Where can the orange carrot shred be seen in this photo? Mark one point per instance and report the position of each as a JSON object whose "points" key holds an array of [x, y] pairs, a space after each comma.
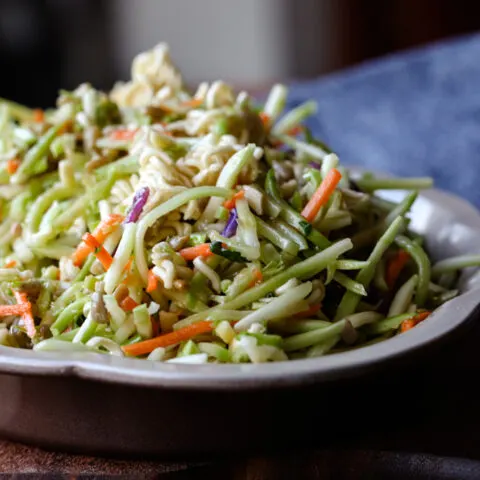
{"points": [[172, 338], [10, 264], [311, 310], [38, 115], [415, 320], [321, 195], [12, 165], [128, 304], [91, 242], [265, 118], [130, 275], [395, 267], [27, 316], [126, 134], [193, 103], [294, 131], [7, 310], [98, 250], [191, 253], [257, 277], [407, 325], [230, 203], [128, 265], [103, 230], [152, 281], [422, 316]]}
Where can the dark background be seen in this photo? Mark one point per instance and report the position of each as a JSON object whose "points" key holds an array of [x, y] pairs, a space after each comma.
{"points": [[48, 44]]}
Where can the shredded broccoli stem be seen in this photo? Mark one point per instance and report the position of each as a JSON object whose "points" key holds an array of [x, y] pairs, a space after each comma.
{"points": [[291, 216], [423, 264], [36, 153], [350, 300], [371, 184], [68, 316], [455, 263], [17, 111], [294, 117]]}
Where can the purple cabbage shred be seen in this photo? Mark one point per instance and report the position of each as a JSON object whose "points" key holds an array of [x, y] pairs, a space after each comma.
{"points": [[232, 223], [139, 200]]}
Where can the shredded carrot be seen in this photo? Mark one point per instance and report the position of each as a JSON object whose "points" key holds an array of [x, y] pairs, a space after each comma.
{"points": [[128, 266], [191, 253], [294, 131], [7, 310], [193, 103], [415, 320], [128, 304], [126, 134], [310, 311], [172, 338], [127, 269], [106, 226], [12, 165], [257, 277], [422, 316], [407, 325], [98, 250], [395, 266], [102, 231], [27, 316], [265, 118], [38, 115], [10, 264], [152, 281], [230, 203], [321, 195]]}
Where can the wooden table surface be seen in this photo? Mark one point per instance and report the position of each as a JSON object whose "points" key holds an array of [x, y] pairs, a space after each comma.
{"points": [[324, 464]]}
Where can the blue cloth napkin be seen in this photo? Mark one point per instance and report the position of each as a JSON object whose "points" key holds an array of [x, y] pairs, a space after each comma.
{"points": [[413, 114]]}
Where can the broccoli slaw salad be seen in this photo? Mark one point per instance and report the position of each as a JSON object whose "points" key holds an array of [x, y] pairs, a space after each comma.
{"points": [[157, 223]]}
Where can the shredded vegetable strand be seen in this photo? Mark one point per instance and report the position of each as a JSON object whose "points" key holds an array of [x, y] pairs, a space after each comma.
{"points": [[350, 299], [147, 346], [423, 264]]}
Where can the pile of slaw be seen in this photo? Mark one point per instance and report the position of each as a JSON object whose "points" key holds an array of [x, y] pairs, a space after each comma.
{"points": [[157, 223]]}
